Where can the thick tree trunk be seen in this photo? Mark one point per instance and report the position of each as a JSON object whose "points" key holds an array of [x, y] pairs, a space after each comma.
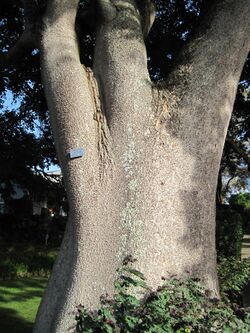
{"points": [[146, 184]]}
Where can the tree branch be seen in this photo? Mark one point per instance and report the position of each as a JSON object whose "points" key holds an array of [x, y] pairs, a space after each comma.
{"points": [[219, 48], [147, 11], [75, 107], [28, 39], [120, 54], [240, 173], [225, 190], [202, 86], [25, 44], [146, 8], [238, 150], [106, 9]]}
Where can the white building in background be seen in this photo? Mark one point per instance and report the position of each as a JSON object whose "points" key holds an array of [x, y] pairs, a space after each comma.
{"points": [[18, 193], [38, 205]]}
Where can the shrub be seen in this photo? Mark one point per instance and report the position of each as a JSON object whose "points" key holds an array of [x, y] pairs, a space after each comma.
{"points": [[241, 203], [9, 269], [233, 276], [229, 233], [24, 260], [242, 199], [12, 269], [180, 306]]}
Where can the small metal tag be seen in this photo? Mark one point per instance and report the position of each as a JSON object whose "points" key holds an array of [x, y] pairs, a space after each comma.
{"points": [[75, 153]]}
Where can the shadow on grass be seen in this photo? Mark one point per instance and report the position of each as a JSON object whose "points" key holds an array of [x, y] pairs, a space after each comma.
{"points": [[19, 301], [10, 321], [24, 284], [20, 297]]}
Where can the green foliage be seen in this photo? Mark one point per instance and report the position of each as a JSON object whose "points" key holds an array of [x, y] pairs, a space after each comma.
{"points": [[180, 306], [37, 267], [10, 269], [233, 276], [242, 199], [229, 233], [26, 261]]}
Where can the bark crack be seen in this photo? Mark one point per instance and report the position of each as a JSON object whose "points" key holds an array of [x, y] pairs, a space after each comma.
{"points": [[166, 121], [162, 113], [104, 141]]}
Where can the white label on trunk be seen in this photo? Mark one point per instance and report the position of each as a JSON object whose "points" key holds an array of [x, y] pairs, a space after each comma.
{"points": [[75, 153]]}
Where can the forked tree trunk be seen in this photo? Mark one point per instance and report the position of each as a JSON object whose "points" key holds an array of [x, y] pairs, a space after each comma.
{"points": [[146, 184]]}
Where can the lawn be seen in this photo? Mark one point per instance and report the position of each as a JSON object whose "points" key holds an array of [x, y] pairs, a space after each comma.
{"points": [[24, 271], [19, 301]]}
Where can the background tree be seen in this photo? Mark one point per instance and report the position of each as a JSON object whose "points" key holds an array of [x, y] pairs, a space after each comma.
{"points": [[235, 160], [23, 158], [241, 200], [146, 184]]}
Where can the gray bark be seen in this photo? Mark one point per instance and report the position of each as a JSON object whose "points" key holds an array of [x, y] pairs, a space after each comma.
{"points": [[146, 184]]}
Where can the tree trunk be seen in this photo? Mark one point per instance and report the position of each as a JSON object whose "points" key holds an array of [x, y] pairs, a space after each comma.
{"points": [[146, 183]]}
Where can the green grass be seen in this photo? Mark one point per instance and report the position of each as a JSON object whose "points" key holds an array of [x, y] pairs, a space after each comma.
{"points": [[19, 301], [24, 269]]}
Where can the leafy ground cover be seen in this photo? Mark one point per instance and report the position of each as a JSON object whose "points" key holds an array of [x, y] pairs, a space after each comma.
{"points": [[19, 301], [24, 270], [178, 306]]}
